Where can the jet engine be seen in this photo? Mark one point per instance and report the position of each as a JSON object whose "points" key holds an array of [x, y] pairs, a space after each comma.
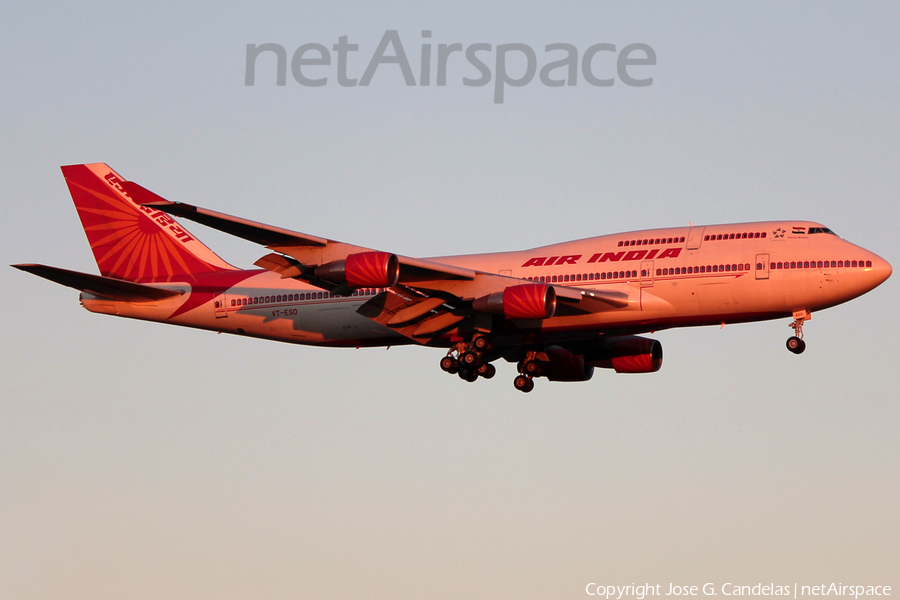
{"points": [[566, 366], [526, 301], [630, 354], [364, 269]]}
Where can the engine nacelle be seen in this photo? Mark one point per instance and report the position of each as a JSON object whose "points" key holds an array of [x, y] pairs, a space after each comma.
{"points": [[526, 301], [630, 354], [566, 366], [364, 269]]}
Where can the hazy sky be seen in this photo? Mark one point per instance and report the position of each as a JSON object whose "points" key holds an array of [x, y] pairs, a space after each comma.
{"points": [[144, 461]]}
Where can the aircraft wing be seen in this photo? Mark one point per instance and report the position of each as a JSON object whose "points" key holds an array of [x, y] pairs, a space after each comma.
{"points": [[424, 301], [304, 248]]}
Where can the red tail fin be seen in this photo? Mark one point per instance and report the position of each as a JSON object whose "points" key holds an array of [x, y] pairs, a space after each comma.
{"points": [[133, 242]]}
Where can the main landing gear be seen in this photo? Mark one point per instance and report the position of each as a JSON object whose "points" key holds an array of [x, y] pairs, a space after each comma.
{"points": [[469, 362], [795, 343], [523, 383], [532, 366]]}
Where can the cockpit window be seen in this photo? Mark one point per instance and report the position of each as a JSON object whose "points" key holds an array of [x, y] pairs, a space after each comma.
{"points": [[813, 230]]}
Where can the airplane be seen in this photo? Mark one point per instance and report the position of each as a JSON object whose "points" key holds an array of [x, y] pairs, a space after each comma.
{"points": [[556, 311]]}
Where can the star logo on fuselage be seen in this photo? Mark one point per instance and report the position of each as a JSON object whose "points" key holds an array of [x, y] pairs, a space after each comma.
{"points": [[778, 233]]}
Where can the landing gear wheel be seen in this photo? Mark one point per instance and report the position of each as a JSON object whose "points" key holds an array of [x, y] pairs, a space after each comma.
{"points": [[796, 345], [467, 374], [481, 343], [449, 364], [523, 384], [468, 358], [487, 370], [532, 367]]}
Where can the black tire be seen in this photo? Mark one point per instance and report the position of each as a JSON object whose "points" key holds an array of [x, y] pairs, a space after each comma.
{"points": [[487, 370], [467, 374], [449, 364], [481, 343], [468, 358], [795, 344], [532, 367], [523, 384]]}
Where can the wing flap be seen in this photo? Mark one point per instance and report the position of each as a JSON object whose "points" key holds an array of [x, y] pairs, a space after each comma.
{"points": [[415, 311]]}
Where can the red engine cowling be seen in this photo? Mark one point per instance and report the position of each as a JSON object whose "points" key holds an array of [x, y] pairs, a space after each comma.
{"points": [[630, 354], [565, 366], [526, 301], [364, 269]]}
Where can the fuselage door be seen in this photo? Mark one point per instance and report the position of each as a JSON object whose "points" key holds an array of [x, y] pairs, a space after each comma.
{"points": [[646, 273], [695, 238], [762, 266], [219, 304]]}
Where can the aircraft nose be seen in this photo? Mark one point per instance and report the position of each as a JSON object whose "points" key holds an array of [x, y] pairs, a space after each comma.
{"points": [[881, 270]]}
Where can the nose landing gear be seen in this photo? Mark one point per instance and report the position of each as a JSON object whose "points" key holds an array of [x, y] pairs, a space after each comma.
{"points": [[795, 343]]}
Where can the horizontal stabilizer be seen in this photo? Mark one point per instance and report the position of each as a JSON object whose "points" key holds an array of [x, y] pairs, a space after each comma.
{"points": [[114, 289]]}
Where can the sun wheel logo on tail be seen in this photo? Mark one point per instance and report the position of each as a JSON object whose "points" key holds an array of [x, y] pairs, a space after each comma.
{"points": [[528, 301]]}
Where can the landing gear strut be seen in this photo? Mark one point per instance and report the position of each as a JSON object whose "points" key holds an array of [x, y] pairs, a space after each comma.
{"points": [[795, 343]]}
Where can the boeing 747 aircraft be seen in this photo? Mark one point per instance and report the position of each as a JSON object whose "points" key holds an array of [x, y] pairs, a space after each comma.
{"points": [[556, 311]]}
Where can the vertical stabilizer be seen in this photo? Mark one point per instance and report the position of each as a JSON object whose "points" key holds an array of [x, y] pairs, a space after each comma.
{"points": [[132, 242]]}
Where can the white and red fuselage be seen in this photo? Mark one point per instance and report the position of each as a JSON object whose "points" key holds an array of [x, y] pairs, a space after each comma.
{"points": [[558, 310], [710, 275]]}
